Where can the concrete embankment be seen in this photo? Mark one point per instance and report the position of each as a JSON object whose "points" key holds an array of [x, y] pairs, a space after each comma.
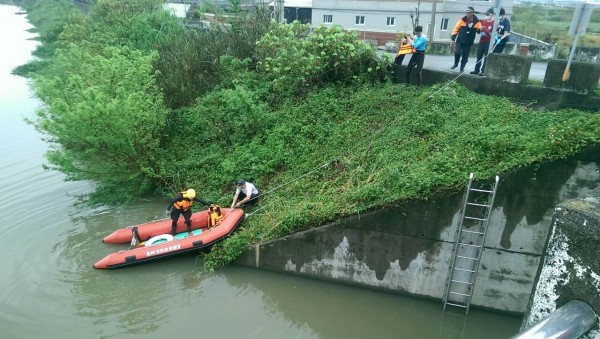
{"points": [[571, 269], [408, 249]]}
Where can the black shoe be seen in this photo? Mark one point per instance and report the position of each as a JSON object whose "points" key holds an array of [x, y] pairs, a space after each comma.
{"points": [[480, 74], [462, 69], [474, 72], [453, 66]]}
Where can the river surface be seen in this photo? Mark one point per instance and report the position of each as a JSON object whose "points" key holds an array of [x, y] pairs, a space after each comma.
{"points": [[48, 288]]}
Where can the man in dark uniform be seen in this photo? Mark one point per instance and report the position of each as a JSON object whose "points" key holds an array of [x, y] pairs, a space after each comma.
{"points": [[502, 32], [463, 36]]}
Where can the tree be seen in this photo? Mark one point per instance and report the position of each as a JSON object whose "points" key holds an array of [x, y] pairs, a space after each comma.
{"points": [[103, 117]]}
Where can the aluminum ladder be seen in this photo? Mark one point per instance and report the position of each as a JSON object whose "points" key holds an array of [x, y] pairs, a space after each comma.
{"points": [[468, 243]]}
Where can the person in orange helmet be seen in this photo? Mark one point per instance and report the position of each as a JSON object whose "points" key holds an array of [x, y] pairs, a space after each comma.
{"points": [[182, 205]]}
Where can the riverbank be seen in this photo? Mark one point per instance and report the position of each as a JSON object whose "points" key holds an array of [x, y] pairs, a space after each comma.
{"points": [[408, 249]]}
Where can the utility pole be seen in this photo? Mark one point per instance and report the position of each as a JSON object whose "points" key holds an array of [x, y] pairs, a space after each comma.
{"points": [[432, 27], [279, 8], [495, 28], [579, 23]]}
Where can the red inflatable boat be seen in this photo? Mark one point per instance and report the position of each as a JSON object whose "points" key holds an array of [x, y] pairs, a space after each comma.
{"points": [[158, 243]]}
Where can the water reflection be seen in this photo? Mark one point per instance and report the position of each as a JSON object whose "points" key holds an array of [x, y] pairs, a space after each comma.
{"points": [[129, 300], [334, 311]]}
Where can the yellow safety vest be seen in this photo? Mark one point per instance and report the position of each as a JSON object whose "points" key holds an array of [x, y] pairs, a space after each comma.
{"points": [[405, 48]]}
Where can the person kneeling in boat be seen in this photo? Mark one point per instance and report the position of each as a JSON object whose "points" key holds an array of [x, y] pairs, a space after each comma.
{"points": [[246, 193], [182, 204], [214, 216]]}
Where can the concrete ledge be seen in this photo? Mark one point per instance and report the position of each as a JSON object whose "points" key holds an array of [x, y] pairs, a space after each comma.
{"points": [[584, 76], [511, 68], [547, 97]]}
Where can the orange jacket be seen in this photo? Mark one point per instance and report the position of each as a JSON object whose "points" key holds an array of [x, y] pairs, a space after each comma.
{"points": [[404, 48], [465, 30]]}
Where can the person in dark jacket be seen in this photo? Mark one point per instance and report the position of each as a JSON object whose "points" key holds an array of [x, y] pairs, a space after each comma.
{"points": [[182, 204], [463, 36], [502, 32]]}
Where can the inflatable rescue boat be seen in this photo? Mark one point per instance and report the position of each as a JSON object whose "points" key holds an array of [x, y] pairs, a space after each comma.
{"points": [[158, 243]]}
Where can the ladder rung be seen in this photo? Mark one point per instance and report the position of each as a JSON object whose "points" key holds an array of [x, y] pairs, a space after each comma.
{"points": [[472, 218], [460, 243], [462, 282], [474, 204], [457, 305], [478, 190], [462, 269], [460, 256], [466, 295], [473, 232]]}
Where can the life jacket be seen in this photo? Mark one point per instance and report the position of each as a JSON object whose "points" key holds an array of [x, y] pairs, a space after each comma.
{"points": [[183, 204], [214, 216], [405, 48]]}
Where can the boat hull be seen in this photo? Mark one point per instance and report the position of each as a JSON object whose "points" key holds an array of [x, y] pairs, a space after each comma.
{"points": [[201, 239]]}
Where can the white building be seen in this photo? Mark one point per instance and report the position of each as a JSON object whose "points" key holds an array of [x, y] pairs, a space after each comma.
{"points": [[383, 20]]}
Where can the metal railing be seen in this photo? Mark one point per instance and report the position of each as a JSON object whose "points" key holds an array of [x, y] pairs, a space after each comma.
{"points": [[569, 321]]}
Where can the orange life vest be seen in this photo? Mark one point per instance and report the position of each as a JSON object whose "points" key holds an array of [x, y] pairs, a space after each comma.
{"points": [[214, 218], [183, 204], [405, 48]]}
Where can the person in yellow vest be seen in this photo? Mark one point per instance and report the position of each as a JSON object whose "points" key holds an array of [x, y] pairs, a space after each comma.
{"points": [[214, 216], [404, 49], [182, 204]]}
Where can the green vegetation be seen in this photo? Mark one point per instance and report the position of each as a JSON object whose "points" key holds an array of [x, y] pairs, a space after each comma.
{"points": [[551, 24], [141, 104]]}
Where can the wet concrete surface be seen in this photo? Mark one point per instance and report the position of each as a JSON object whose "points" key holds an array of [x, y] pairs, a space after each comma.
{"points": [[408, 249]]}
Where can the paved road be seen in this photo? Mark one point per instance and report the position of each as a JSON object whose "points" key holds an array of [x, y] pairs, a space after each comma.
{"points": [[444, 62]]}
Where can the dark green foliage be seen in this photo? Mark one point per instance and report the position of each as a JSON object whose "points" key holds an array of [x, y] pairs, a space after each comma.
{"points": [[296, 61], [104, 122], [190, 63], [35, 66]]}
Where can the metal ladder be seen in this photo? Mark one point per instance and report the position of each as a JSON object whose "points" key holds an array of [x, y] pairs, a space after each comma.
{"points": [[468, 243]]}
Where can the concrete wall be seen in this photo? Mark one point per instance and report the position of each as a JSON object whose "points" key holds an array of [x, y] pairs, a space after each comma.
{"points": [[407, 249], [511, 68], [531, 94], [571, 269], [584, 76]]}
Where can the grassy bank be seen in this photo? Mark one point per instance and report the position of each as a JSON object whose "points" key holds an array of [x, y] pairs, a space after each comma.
{"points": [[374, 146]]}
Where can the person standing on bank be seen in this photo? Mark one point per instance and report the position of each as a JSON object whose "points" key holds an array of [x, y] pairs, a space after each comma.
{"points": [[487, 26], [418, 44], [245, 193], [463, 36], [182, 204], [502, 32]]}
